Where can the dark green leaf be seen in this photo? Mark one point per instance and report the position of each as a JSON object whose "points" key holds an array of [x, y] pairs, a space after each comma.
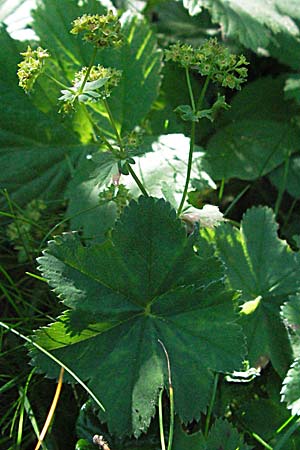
{"points": [[145, 284], [222, 436], [266, 271], [248, 149], [175, 23], [186, 113]]}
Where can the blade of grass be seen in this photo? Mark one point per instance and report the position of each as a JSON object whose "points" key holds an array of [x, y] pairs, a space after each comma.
{"points": [[51, 410], [56, 360], [23, 394]]}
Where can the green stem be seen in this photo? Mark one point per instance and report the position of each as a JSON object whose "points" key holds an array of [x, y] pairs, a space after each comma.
{"points": [[281, 443], [96, 127], [113, 124], [283, 184], [236, 199], [203, 92], [285, 424], [161, 421], [89, 70], [122, 151], [172, 416], [210, 408], [189, 169], [56, 81], [221, 191], [261, 441], [137, 180], [192, 140], [188, 82]]}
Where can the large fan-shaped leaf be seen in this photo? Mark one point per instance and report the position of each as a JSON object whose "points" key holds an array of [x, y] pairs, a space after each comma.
{"points": [[266, 271], [138, 59], [143, 285]]}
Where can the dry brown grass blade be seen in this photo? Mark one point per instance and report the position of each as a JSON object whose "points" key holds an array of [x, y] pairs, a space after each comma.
{"points": [[51, 410]]}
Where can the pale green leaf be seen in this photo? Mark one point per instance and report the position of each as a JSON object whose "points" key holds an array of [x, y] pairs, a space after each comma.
{"points": [[145, 284], [266, 272]]}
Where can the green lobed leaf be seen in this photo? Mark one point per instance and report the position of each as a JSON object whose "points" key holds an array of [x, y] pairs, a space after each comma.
{"points": [[264, 27], [138, 59], [291, 388], [37, 151], [266, 272], [222, 436], [291, 384], [146, 283]]}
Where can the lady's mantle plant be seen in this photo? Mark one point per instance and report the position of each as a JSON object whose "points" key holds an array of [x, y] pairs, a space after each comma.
{"points": [[146, 283], [151, 281]]}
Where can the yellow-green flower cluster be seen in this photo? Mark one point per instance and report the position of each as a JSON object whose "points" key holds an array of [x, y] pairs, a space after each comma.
{"points": [[111, 75], [101, 30], [31, 67], [212, 59]]}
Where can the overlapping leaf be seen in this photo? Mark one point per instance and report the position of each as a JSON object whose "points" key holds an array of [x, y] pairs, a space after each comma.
{"points": [[267, 272], [261, 26], [222, 436], [256, 134], [291, 384], [162, 169], [288, 177], [145, 284]]}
